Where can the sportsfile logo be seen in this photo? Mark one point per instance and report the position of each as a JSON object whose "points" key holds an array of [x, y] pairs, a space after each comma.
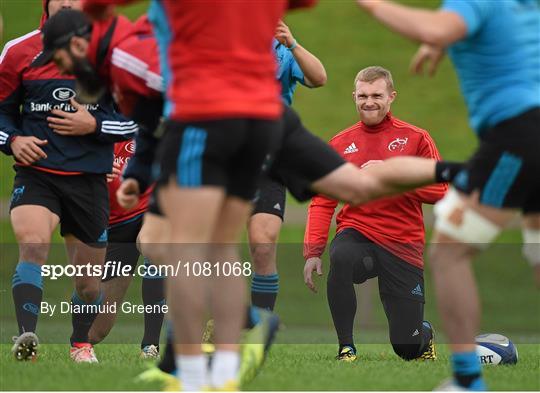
{"points": [[120, 269]]}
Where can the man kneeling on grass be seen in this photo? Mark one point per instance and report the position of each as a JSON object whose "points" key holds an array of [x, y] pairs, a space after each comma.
{"points": [[383, 239]]}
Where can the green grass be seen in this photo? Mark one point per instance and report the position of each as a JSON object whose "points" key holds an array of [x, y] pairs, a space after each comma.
{"points": [[379, 369], [288, 367]]}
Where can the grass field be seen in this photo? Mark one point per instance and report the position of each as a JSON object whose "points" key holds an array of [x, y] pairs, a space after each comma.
{"points": [[288, 367], [345, 40]]}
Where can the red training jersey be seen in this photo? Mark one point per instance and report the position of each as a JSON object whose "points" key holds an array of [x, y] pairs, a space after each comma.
{"points": [[131, 71], [122, 153], [220, 58], [218, 55], [395, 223]]}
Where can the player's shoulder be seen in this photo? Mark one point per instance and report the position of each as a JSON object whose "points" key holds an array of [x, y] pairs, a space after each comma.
{"points": [[410, 128], [345, 134], [139, 59], [141, 48], [138, 47], [24, 47]]}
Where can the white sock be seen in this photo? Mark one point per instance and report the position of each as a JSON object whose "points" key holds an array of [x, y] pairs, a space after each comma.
{"points": [[193, 371], [225, 368]]}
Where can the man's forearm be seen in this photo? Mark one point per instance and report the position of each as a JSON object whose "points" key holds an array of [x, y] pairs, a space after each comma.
{"points": [[428, 26], [311, 66]]}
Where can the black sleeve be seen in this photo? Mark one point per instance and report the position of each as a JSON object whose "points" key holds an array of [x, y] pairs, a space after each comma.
{"points": [[147, 114]]}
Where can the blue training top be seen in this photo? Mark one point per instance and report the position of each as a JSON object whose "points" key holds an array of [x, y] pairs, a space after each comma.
{"points": [[288, 73], [498, 63]]}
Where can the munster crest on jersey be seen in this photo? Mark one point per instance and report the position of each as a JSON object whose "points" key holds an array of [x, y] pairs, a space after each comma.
{"points": [[397, 144]]}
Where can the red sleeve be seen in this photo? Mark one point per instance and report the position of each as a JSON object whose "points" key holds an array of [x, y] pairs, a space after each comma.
{"points": [[320, 213], [12, 64], [133, 74], [11, 67], [429, 194]]}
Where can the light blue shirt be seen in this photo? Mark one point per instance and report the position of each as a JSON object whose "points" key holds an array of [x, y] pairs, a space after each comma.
{"points": [[288, 73], [498, 63]]}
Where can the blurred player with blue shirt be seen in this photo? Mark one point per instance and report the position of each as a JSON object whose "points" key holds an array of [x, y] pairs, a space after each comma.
{"points": [[295, 65], [495, 48]]}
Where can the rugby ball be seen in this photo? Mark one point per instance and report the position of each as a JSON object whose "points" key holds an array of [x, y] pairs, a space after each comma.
{"points": [[493, 349]]}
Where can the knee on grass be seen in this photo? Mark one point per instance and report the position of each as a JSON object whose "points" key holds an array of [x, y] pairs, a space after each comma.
{"points": [[407, 351]]}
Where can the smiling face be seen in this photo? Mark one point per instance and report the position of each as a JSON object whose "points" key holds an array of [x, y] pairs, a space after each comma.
{"points": [[373, 100]]}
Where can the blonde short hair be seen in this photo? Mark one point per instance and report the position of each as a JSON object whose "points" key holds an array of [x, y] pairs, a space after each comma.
{"points": [[373, 73]]}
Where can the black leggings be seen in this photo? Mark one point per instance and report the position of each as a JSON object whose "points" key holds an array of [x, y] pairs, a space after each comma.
{"points": [[355, 259]]}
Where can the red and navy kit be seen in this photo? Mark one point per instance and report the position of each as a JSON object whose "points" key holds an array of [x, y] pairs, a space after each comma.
{"points": [[130, 67], [135, 80], [394, 223], [131, 70], [27, 96]]}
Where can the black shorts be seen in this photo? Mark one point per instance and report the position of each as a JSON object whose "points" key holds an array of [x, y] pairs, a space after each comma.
{"points": [[122, 248], [506, 166], [80, 201], [270, 198], [226, 153], [396, 277], [302, 158]]}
